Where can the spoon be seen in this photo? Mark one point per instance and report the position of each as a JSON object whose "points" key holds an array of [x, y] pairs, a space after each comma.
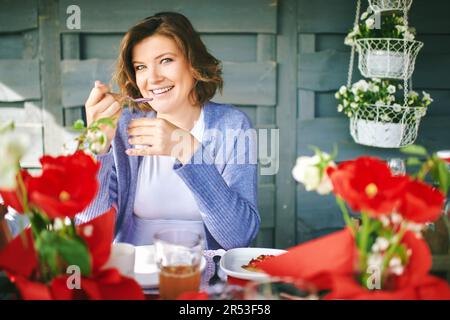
{"points": [[137, 100]]}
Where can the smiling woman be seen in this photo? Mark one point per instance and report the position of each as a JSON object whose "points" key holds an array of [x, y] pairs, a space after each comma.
{"points": [[184, 174]]}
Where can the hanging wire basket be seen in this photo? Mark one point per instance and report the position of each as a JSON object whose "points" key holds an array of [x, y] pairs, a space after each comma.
{"points": [[386, 126], [387, 58], [389, 5]]}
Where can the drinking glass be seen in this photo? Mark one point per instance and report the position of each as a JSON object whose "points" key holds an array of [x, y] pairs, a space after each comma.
{"points": [[178, 254], [397, 166]]}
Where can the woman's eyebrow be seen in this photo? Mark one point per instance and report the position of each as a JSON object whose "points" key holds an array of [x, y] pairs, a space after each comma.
{"points": [[156, 58], [163, 54]]}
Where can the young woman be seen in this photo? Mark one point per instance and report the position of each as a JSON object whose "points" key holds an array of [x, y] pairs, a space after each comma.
{"points": [[179, 160]]}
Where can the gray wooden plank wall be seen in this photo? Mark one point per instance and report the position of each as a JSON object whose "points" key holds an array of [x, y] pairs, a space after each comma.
{"points": [[322, 68], [20, 91]]}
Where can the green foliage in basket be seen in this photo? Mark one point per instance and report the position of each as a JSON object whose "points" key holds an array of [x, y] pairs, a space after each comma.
{"points": [[365, 97], [392, 26]]}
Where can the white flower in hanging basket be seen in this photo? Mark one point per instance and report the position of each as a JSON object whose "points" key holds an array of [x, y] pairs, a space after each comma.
{"points": [[378, 117], [389, 5]]}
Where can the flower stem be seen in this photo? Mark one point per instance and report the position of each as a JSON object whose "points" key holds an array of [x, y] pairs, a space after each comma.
{"points": [[345, 214]]}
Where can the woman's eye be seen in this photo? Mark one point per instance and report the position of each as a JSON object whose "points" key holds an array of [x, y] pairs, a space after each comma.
{"points": [[139, 67], [166, 60]]}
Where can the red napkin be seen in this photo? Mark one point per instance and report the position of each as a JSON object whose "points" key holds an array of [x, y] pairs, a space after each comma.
{"points": [[315, 260]]}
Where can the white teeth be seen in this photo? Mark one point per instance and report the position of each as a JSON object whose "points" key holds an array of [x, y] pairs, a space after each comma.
{"points": [[161, 90]]}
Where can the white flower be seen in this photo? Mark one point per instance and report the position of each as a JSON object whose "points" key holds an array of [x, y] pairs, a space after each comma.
{"points": [[337, 95], [401, 28], [349, 114], [427, 96], [340, 107], [357, 98], [97, 141], [370, 23], [346, 103], [396, 218], [12, 148], [58, 224], [397, 107], [375, 260], [385, 117], [395, 266], [409, 36], [382, 243], [307, 172], [384, 220], [88, 230], [354, 105], [391, 89], [412, 94], [379, 103], [342, 89], [361, 85], [374, 88], [364, 15], [349, 41]]}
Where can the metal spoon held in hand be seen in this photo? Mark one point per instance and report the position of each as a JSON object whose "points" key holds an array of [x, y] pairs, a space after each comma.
{"points": [[137, 100]]}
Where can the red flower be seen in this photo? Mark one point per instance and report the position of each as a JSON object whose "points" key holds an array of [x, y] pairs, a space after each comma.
{"points": [[421, 203], [328, 263], [67, 184], [66, 187], [367, 184], [13, 198], [19, 260]]}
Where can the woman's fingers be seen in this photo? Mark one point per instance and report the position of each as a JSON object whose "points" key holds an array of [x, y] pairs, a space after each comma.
{"points": [[110, 110], [96, 94], [142, 140], [141, 131], [144, 151], [140, 122]]}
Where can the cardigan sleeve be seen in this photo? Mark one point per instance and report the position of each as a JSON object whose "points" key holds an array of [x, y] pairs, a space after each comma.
{"points": [[107, 192], [227, 199]]}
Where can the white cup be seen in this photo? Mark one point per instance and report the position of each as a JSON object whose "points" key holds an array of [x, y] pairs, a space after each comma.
{"points": [[122, 258]]}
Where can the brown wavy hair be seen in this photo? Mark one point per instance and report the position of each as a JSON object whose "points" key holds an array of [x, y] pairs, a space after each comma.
{"points": [[206, 69]]}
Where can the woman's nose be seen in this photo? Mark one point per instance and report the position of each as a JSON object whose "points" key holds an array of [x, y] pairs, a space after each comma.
{"points": [[154, 76]]}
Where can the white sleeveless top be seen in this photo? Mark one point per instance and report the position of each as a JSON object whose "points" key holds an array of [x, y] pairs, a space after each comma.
{"points": [[161, 194]]}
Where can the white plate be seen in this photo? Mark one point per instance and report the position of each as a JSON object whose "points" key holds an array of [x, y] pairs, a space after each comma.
{"points": [[233, 260], [146, 272]]}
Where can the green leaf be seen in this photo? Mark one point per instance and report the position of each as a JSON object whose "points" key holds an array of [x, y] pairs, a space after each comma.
{"points": [[45, 246], [78, 125], [415, 150], [441, 175], [413, 161], [106, 121], [74, 251]]}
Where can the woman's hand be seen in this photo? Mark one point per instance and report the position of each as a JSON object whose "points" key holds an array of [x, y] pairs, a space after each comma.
{"points": [[161, 137], [101, 104]]}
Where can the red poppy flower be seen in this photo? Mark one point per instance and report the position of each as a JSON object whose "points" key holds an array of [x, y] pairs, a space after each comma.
{"points": [[367, 184], [421, 203], [19, 260], [13, 198], [67, 184]]}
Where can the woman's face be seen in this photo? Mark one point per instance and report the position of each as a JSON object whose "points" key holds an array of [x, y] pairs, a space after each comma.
{"points": [[162, 73]]}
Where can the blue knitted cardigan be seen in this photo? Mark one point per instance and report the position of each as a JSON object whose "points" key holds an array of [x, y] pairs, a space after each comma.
{"points": [[225, 191]]}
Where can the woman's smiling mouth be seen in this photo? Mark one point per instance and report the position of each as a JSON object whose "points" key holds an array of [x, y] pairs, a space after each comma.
{"points": [[160, 91]]}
